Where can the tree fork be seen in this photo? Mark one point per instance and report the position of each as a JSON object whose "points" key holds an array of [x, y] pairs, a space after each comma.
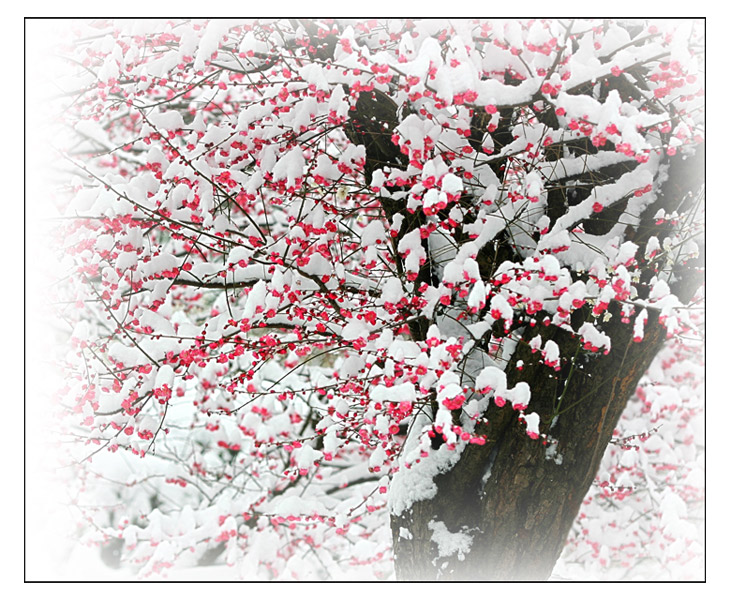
{"points": [[519, 516]]}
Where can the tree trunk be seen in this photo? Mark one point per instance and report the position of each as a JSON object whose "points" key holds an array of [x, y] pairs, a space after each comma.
{"points": [[519, 516]]}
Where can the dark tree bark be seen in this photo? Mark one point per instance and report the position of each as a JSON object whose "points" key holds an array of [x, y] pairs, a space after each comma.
{"points": [[520, 516]]}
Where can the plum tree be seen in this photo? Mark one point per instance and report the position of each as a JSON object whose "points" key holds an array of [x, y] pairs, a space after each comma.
{"points": [[325, 274]]}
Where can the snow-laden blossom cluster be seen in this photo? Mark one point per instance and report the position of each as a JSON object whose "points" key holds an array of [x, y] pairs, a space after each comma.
{"points": [[300, 256]]}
